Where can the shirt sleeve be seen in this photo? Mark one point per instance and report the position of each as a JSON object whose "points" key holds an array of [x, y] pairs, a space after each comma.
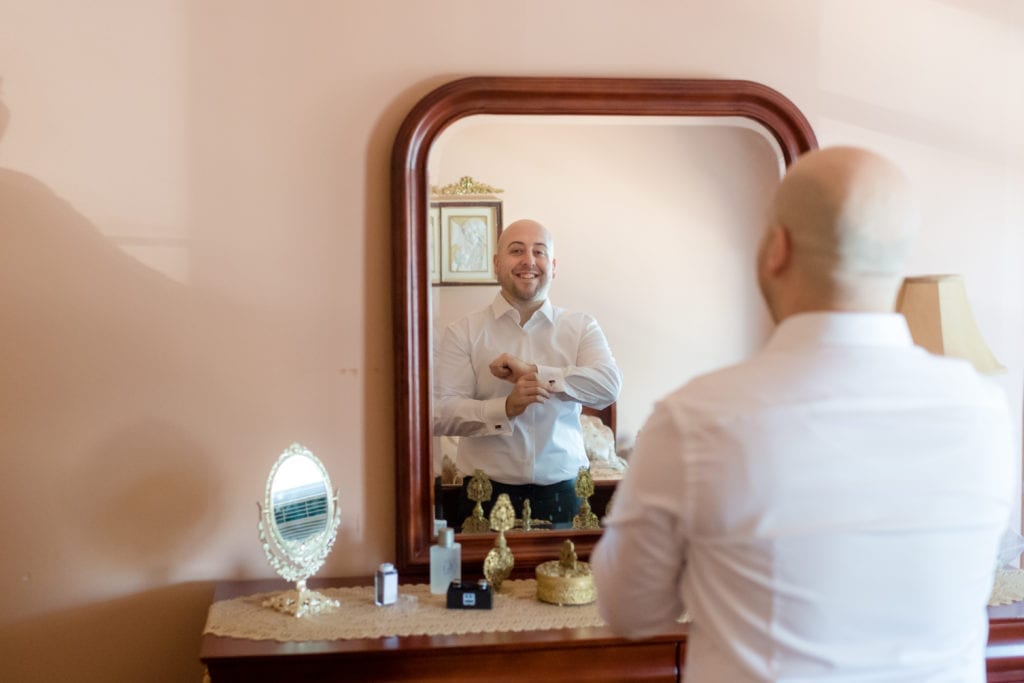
{"points": [[638, 563], [456, 411], [594, 380]]}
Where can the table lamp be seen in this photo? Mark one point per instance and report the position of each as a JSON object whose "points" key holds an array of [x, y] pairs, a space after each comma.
{"points": [[940, 320]]}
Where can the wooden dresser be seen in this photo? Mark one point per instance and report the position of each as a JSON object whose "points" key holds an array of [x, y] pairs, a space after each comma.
{"points": [[585, 654]]}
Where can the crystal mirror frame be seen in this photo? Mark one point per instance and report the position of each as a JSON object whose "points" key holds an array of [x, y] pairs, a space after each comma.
{"points": [[411, 270], [297, 559]]}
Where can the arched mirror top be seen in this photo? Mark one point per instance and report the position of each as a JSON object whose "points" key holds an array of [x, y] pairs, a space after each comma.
{"points": [[732, 102]]}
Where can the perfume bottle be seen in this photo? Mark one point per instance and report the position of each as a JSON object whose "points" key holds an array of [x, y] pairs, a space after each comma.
{"points": [[385, 584], [445, 561]]}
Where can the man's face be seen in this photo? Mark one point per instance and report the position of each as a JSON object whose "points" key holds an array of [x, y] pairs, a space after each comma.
{"points": [[524, 264]]}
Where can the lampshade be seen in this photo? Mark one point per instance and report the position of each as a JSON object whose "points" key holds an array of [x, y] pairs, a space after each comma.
{"points": [[940, 320]]}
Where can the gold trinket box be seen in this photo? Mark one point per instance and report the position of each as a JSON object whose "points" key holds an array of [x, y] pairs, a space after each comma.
{"points": [[565, 581]]}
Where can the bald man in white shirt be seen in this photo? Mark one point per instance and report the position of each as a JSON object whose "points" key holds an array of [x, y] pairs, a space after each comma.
{"points": [[512, 380], [831, 508]]}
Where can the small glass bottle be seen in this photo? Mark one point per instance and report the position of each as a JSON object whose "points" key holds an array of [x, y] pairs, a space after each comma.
{"points": [[445, 561], [385, 584]]}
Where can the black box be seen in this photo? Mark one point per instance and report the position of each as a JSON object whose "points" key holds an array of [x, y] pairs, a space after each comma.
{"points": [[470, 595]]}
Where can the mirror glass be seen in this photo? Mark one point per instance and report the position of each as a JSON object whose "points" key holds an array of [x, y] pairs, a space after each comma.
{"points": [[298, 498], [655, 221], [654, 190], [298, 523]]}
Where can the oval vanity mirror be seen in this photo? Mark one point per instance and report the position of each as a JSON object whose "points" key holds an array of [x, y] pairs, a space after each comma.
{"points": [[298, 523], [731, 141]]}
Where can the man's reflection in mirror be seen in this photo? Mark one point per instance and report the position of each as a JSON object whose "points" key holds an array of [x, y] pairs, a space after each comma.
{"points": [[512, 378]]}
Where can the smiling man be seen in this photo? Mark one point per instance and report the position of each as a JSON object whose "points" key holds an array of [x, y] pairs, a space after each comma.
{"points": [[512, 379]]}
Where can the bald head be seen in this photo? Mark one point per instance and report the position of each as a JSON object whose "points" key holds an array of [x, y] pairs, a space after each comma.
{"points": [[849, 218], [526, 231], [525, 265]]}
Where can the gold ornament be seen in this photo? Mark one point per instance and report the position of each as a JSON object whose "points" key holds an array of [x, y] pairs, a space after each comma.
{"points": [[465, 187], [499, 561], [565, 581], [586, 519], [527, 522], [479, 490]]}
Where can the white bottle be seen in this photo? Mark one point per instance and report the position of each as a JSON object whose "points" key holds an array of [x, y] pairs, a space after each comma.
{"points": [[385, 585], [445, 561]]}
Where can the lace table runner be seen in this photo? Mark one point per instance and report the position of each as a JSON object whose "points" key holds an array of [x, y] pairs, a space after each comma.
{"points": [[418, 612]]}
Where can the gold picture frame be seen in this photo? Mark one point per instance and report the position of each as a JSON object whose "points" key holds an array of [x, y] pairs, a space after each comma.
{"points": [[434, 245], [468, 240]]}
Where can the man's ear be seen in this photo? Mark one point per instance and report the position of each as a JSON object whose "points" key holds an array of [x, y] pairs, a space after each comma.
{"points": [[554, 267], [778, 250]]}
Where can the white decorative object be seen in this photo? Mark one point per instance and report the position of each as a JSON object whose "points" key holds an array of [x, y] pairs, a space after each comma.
{"points": [[1008, 587], [599, 442]]}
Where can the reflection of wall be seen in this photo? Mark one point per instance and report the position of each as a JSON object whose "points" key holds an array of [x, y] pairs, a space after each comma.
{"points": [[655, 229]]}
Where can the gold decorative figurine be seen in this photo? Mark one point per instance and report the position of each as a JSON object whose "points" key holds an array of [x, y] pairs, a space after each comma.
{"points": [[499, 561], [478, 489], [586, 519], [527, 522], [565, 581]]}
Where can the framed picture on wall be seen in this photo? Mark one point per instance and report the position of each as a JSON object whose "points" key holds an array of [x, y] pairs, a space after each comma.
{"points": [[468, 241]]}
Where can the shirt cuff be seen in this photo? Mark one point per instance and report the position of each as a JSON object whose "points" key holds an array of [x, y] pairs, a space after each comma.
{"points": [[497, 420], [551, 377]]}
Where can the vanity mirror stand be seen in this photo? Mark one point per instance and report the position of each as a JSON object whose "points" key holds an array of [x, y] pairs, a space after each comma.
{"points": [[298, 523]]}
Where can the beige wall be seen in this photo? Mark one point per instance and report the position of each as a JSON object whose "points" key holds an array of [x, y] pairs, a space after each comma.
{"points": [[195, 254]]}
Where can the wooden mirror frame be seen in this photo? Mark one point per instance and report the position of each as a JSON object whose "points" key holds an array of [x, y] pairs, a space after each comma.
{"points": [[410, 197]]}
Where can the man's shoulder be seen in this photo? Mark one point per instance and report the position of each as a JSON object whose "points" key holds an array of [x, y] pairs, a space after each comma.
{"points": [[708, 392], [469, 325], [481, 314], [570, 316]]}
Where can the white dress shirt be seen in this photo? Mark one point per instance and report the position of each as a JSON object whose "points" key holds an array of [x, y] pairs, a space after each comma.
{"points": [[829, 510], [544, 444]]}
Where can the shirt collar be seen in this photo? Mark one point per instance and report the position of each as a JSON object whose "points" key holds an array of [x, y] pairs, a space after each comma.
{"points": [[500, 307], [840, 329]]}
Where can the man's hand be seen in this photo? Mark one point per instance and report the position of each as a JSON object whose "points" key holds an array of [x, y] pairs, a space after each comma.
{"points": [[510, 368], [527, 390]]}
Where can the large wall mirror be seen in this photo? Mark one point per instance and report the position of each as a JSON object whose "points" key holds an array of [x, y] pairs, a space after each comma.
{"points": [[654, 191]]}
